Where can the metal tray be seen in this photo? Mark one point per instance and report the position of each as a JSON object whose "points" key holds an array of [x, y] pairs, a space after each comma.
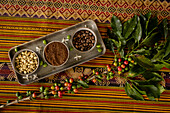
{"points": [[43, 72]]}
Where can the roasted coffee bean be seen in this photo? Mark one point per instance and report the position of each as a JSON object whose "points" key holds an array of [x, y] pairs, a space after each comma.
{"points": [[83, 40], [87, 31]]}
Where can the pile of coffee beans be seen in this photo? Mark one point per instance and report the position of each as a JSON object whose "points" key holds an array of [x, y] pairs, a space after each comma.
{"points": [[83, 40]]}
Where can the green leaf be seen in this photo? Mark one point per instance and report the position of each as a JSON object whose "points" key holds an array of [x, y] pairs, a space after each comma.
{"points": [[167, 65], [130, 44], [150, 96], [167, 47], [147, 16], [122, 53], [136, 70], [121, 39], [142, 51], [163, 27], [150, 39], [111, 34], [116, 24], [158, 67], [138, 32], [161, 88], [84, 84], [158, 56], [151, 91], [148, 75], [116, 43], [153, 23], [132, 92], [143, 23], [140, 91], [112, 46], [129, 26], [143, 61]]}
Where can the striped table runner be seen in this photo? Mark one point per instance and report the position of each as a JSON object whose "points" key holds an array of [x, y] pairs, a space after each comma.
{"points": [[100, 99], [22, 21]]}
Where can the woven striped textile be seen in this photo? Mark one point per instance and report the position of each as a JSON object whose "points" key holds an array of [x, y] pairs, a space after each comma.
{"points": [[25, 20], [100, 99]]}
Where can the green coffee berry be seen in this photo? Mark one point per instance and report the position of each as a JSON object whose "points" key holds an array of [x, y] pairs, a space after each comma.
{"points": [[41, 63], [55, 84], [129, 59], [108, 77], [44, 42], [55, 96], [99, 50], [46, 97], [68, 36], [46, 88], [98, 45], [73, 87], [17, 94], [16, 49], [41, 89], [20, 97], [45, 92], [69, 91], [45, 65], [8, 101], [78, 85], [61, 88], [71, 48]]}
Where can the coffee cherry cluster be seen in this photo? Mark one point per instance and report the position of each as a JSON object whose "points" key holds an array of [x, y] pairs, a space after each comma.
{"points": [[57, 89], [100, 75], [122, 65]]}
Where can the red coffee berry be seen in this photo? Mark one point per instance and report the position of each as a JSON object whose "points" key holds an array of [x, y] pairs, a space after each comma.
{"points": [[108, 68], [54, 92], [113, 72], [69, 84], [66, 84], [34, 95], [68, 88], [75, 90], [94, 80], [123, 66], [59, 94], [119, 68], [71, 80], [79, 77], [119, 60], [126, 62], [132, 61], [97, 73], [107, 65], [57, 87]]}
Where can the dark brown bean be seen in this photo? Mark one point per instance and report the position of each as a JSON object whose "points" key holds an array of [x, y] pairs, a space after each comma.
{"points": [[83, 40]]}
